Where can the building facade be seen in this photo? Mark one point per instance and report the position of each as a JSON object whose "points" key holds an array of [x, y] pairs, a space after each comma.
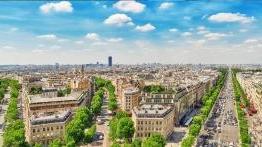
{"points": [[131, 98], [150, 119]]}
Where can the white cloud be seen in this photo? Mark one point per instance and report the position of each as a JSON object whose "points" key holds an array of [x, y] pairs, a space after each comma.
{"points": [[187, 18], [79, 42], [201, 28], [185, 34], [47, 37], [198, 42], [14, 29], [55, 47], [215, 36], [7, 47], [166, 5], [248, 41], [115, 39], [104, 6], [129, 6], [145, 28], [39, 51], [92, 36], [119, 20], [231, 17], [203, 32], [62, 6], [243, 30], [173, 30]]}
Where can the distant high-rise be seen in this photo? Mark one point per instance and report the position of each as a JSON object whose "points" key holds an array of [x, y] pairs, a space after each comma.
{"points": [[110, 61], [57, 66]]}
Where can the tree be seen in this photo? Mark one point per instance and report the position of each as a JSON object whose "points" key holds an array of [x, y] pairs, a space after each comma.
{"points": [[121, 114], [90, 133], [112, 104], [155, 140], [194, 129], [55, 143], [115, 145], [37, 145], [60, 93], [188, 141], [113, 127], [14, 134], [75, 128], [125, 128], [136, 143], [68, 89], [198, 120]]}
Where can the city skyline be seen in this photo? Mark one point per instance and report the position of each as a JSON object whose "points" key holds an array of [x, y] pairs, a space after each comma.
{"points": [[169, 32]]}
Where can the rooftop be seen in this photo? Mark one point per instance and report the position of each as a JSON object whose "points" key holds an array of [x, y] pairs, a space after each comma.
{"points": [[34, 99], [152, 111], [131, 90], [55, 118]]}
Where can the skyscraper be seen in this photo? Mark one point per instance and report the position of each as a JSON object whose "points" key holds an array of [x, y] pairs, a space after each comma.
{"points": [[110, 61]]}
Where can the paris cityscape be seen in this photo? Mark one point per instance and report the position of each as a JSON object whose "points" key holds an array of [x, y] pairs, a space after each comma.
{"points": [[130, 73]]}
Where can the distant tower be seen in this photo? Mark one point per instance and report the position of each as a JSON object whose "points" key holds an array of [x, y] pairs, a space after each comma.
{"points": [[82, 69], [57, 66], [110, 61]]}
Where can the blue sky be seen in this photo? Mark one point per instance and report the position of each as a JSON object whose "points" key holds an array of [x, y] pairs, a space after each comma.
{"points": [[132, 32]]}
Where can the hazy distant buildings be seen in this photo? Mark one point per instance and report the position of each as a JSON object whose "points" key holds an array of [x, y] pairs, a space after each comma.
{"points": [[110, 61]]}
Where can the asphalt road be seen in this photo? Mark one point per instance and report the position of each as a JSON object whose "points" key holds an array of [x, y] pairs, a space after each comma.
{"points": [[103, 128], [221, 128]]}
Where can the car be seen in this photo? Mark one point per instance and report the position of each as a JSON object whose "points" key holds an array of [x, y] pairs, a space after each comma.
{"points": [[101, 137], [99, 121]]}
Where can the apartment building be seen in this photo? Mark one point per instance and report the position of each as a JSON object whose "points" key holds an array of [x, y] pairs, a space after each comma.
{"points": [[130, 98], [252, 85], [150, 119]]}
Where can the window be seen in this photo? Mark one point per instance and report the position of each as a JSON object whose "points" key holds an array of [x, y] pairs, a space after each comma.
{"points": [[57, 127], [61, 127], [33, 130], [38, 130], [43, 129], [47, 128]]}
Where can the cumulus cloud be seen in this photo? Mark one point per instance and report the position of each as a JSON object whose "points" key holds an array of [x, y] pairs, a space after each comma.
{"points": [[129, 6], [166, 5], [215, 36], [47, 37], [7, 47], [173, 30], [248, 41], [186, 34], [187, 18], [145, 28], [118, 20], [231, 17], [14, 29], [115, 39], [202, 30], [62, 6], [243, 30], [92, 36]]}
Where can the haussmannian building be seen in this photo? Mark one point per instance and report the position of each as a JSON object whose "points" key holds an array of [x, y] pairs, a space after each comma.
{"points": [[150, 119], [46, 117], [131, 97]]}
